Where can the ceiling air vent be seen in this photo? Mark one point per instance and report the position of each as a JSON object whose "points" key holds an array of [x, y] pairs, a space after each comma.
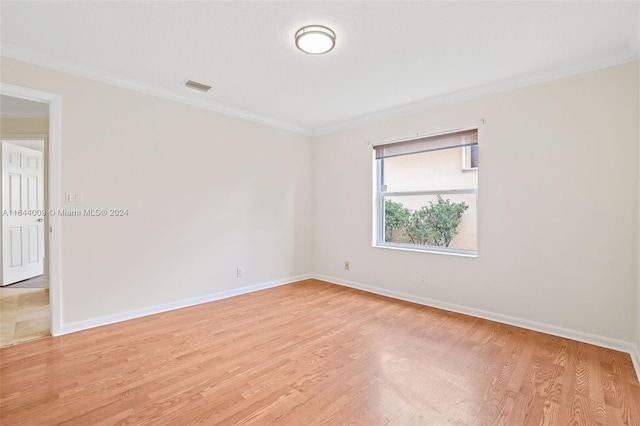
{"points": [[197, 86]]}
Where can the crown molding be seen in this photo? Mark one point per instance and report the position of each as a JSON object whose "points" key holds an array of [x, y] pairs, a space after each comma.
{"points": [[485, 90], [36, 58], [633, 54]]}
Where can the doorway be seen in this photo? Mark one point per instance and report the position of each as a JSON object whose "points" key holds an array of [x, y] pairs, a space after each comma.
{"points": [[23, 205], [30, 243], [24, 297]]}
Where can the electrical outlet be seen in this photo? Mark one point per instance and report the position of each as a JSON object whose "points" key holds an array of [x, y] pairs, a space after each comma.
{"points": [[346, 265], [239, 272], [423, 279], [73, 198]]}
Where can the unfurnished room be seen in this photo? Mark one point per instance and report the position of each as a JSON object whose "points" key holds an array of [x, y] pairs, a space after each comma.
{"points": [[320, 212]]}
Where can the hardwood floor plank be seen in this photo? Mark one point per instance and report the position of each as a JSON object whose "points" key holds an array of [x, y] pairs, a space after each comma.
{"points": [[314, 353], [24, 314]]}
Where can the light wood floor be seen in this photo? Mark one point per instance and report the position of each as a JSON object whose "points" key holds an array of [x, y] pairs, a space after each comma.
{"points": [[315, 353], [24, 314]]}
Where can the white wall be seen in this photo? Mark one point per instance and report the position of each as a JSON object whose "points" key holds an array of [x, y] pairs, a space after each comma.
{"points": [[21, 126], [205, 193], [557, 208], [638, 246]]}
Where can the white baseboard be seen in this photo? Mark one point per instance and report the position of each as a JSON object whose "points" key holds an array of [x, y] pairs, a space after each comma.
{"points": [[124, 316], [580, 336], [635, 358], [619, 345]]}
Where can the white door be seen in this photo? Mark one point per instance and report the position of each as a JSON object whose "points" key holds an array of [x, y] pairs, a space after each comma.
{"points": [[22, 213]]}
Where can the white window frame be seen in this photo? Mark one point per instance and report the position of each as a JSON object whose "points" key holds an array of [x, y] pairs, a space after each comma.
{"points": [[465, 153], [380, 194]]}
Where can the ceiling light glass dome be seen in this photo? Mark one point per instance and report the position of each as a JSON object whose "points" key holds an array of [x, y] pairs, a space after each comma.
{"points": [[315, 39]]}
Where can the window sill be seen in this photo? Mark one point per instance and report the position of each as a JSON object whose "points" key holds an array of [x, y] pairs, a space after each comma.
{"points": [[423, 250]]}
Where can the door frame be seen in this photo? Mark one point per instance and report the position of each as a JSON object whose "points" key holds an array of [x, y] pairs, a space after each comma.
{"points": [[54, 191]]}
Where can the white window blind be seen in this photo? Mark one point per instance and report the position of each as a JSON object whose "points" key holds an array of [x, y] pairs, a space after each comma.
{"points": [[428, 143]]}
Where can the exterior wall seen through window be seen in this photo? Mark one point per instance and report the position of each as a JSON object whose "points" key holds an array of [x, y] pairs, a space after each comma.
{"points": [[437, 183]]}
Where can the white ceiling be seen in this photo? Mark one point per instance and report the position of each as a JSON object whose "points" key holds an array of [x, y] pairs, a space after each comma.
{"points": [[389, 55], [21, 108]]}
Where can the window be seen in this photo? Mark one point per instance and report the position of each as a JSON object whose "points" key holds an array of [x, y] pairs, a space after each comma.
{"points": [[425, 200]]}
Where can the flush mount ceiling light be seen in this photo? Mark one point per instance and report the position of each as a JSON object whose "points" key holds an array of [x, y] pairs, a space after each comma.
{"points": [[315, 39]]}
